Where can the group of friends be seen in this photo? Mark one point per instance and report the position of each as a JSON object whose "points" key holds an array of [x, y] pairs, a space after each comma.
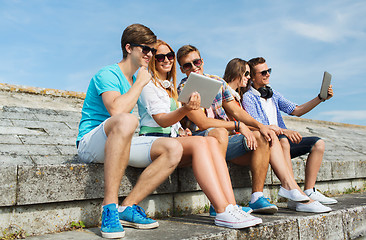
{"points": [[243, 126]]}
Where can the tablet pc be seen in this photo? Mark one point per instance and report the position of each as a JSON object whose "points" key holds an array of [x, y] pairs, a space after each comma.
{"points": [[325, 84], [207, 88]]}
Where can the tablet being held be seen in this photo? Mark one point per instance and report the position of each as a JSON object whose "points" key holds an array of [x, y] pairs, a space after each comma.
{"points": [[207, 88]]}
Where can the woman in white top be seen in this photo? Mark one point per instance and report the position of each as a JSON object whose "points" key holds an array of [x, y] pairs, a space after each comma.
{"points": [[237, 75], [160, 116]]}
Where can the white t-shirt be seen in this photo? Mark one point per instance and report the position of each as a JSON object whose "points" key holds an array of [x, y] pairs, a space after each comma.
{"points": [[269, 108]]}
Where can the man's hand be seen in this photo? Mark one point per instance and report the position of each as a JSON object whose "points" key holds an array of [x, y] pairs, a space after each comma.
{"points": [[293, 136], [251, 141], [330, 92], [266, 132], [276, 129], [143, 76], [194, 102]]}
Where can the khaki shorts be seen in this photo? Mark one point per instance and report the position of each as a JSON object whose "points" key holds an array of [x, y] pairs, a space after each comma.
{"points": [[91, 148]]}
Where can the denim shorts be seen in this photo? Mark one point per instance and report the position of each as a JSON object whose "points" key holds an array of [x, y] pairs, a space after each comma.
{"points": [[301, 148], [91, 148], [237, 147]]}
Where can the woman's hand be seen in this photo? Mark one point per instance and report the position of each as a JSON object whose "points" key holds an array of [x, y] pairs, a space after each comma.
{"points": [[194, 102]]}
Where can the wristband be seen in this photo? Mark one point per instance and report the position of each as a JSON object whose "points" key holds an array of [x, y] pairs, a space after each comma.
{"points": [[238, 126], [235, 125]]}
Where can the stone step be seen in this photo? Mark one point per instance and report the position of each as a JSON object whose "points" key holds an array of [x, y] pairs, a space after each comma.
{"points": [[346, 221]]}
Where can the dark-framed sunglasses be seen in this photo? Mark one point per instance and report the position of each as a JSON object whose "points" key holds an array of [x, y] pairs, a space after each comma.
{"points": [[161, 57], [145, 49], [264, 72], [246, 74], [189, 65]]}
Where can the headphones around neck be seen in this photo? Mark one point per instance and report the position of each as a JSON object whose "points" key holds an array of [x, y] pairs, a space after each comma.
{"points": [[165, 83], [266, 92]]}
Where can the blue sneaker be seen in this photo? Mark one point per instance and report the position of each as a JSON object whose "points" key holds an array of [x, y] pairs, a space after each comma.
{"points": [[135, 217], [262, 205], [213, 212], [111, 227]]}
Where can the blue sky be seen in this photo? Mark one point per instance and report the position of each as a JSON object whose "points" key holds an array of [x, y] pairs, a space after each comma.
{"points": [[62, 44]]}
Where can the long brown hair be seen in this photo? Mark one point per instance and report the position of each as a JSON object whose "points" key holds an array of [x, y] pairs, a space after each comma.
{"points": [[172, 75], [235, 69]]}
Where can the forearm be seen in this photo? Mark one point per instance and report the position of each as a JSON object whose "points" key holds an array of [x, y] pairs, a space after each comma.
{"points": [[168, 119], [306, 107]]}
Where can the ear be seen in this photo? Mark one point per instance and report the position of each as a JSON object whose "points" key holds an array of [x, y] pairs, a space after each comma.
{"points": [[128, 48], [181, 69]]}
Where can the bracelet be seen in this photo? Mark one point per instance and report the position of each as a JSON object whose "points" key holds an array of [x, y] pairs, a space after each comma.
{"points": [[238, 126], [235, 125], [321, 99]]}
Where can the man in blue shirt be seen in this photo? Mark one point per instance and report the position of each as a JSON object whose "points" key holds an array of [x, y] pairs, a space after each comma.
{"points": [[264, 104], [106, 134]]}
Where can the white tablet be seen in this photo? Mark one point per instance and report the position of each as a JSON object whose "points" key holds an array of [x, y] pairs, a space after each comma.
{"points": [[325, 85], [207, 88]]}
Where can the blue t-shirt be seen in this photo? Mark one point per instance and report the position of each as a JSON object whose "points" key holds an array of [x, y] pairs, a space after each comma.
{"points": [[109, 78]]}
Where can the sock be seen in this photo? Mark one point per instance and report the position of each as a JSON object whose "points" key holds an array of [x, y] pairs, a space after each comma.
{"points": [[309, 191], [122, 208], [256, 196]]}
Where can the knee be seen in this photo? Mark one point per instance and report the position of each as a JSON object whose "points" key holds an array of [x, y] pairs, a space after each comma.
{"points": [[285, 144], [261, 141], [220, 134], [319, 146], [124, 124], [174, 151]]}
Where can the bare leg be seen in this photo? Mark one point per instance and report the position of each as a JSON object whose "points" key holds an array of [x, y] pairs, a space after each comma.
{"points": [[286, 153], [166, 154], [258, 161], [313, 164], [221, 136], [196, 151], [119, 130]]}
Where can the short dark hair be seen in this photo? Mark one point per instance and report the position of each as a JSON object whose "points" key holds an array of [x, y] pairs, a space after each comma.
{"points": [[185, 50], [138, 34], [254, 62]]}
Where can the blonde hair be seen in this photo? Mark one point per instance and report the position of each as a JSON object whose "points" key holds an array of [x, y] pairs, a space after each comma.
{"points": [[172, 75]]}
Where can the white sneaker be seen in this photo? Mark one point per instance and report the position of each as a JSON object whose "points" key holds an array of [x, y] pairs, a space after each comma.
{"points": [[313, 207], [232, 218], [293, 195], [317, 196], [247, 215]]}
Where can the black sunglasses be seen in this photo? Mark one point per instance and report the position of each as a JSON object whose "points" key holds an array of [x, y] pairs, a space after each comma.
{"points": [[264, 72], [188, 66], [246, 74], [161, 57], [145, 49]]}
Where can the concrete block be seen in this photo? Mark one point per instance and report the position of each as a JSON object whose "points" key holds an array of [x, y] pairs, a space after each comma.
{"points": [[55, 160], [53, 217], [243, 195], [8, 185], [298, 166], [28, 150], [5, 122], [158, 205], [14, 115], [240, 176], [355, 222], [190, 202], [360, 165], [343, 169], [325, 172], [10, 139], [187, 180], [281, 229], [322, 227], [13, 160], [67, 150], [48, 140], [9, 130]]}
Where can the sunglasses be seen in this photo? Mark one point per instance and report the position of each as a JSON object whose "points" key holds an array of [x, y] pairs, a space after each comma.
{"points": [[145, 49], [188, 66], [246, 74], [161, 57], [264, 72]]}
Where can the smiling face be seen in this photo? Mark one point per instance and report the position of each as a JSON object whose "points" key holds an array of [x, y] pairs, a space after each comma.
{"points": [[138, 57], [189, 59], [243, 82], [258, 79], [164, 67]]}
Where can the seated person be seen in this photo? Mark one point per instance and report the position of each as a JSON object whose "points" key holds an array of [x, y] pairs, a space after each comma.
{"points": [[264, 104], [106, 132], [160, 116], [248, 148], [237, 75]]}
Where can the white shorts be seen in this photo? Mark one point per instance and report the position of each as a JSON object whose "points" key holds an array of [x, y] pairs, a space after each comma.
{"points": [[91, 148]]}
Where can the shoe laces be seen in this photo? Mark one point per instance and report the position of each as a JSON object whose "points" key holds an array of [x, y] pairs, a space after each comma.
{"points": [[241, 212], [139, 211], [111, 219]]}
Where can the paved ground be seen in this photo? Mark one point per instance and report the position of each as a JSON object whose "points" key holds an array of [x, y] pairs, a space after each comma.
{"points": [[202, 227]]}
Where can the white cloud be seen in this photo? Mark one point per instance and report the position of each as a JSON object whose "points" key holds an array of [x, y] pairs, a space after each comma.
{"points": [[314, 31]]}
